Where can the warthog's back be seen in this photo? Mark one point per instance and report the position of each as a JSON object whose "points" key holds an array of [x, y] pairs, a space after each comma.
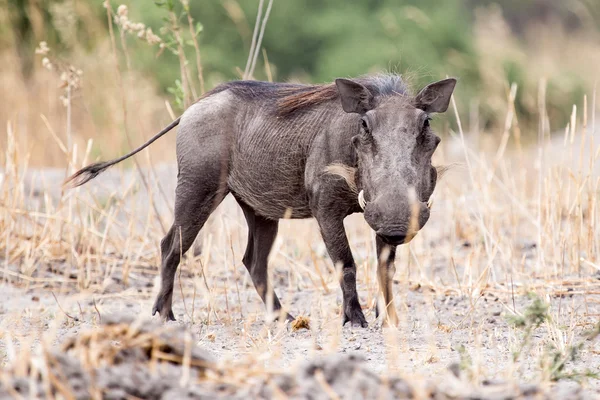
{"points": [[267, 151]]}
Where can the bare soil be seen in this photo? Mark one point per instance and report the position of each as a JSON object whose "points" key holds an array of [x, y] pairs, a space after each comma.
{"points": [[454, 339]]}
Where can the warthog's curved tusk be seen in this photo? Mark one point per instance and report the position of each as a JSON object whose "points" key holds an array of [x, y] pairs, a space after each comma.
{"points": [[430, 202], [361, 199]]}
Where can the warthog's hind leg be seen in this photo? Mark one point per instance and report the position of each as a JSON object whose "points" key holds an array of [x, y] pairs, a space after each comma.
{"points": [[195, 199], [261, 235], [177, 241]]}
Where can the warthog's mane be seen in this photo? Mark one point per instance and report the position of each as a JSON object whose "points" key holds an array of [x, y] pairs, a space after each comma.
{"points": [[289, 98], [297, 99]]}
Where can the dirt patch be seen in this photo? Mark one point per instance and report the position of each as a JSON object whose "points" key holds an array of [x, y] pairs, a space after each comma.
{"points": [[465, 290], [124, 357]]}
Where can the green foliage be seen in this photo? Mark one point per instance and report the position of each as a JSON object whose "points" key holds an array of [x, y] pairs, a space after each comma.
{"points": [[177, 92], [559, 359], [168, 5], [317, 41], [555, 360], [533, 317], [466, 361]]}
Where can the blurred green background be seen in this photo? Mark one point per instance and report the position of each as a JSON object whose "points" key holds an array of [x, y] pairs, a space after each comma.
{"points": [[488, 45]]}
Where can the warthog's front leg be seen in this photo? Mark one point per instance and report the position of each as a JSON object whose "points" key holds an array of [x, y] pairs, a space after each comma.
{"points": [[386, 269], [334, 235]]}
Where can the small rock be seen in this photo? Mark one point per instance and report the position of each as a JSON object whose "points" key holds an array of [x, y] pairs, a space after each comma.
{"points": [[455, 369]]}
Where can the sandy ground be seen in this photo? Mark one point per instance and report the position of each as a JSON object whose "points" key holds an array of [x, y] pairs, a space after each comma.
{"points": [[439, 317], [434, 327]]}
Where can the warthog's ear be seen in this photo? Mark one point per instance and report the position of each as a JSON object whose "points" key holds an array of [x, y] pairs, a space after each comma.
{"points": [[355, 97], [435, 97]]}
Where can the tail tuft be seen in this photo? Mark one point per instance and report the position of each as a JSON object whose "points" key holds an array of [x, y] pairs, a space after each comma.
{"points": [[91, 171], [86, 174]]}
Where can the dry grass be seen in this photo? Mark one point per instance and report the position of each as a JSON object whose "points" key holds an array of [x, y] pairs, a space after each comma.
{"points": [[140, 359], [506, 223]]}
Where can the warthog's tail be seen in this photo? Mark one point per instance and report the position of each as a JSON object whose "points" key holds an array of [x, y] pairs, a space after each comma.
{"points": [[88, 173]]}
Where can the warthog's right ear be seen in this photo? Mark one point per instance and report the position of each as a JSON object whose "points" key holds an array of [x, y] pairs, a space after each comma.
{"points": [[355, 97]]}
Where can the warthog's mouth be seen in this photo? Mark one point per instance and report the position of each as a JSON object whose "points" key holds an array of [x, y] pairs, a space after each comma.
{"points": [[397, 239]]}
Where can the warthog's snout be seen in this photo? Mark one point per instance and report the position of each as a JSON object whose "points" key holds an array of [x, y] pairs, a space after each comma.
{"points": [[396, 225]]}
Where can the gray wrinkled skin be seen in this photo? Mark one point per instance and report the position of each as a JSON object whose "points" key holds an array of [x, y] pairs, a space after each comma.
{"points": [[235, 141]]}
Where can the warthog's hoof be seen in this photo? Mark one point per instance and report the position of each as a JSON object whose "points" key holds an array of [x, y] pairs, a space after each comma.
{"points": [[389, 319], [288, 317], [277, 316], [166, 313], [355, 316]]}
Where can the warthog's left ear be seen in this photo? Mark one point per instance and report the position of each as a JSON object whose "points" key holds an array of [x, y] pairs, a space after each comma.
{"points": [[356, 98], [435, 97]]}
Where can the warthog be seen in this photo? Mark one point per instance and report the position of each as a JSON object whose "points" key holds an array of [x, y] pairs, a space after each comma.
{"points": [[299, 151]]}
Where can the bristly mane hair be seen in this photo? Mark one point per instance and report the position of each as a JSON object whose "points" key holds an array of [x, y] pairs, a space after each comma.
{"points": [[291, 97], [298, 98]]}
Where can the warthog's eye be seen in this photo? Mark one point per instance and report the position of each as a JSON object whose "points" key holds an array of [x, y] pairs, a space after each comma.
{"points": [[365, 125], [426, 123], [424, 129]]}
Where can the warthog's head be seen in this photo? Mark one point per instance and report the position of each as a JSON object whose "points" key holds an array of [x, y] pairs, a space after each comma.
{"points": [[394, 147]]}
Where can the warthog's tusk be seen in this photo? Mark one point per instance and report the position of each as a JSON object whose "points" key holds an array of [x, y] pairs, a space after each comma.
{"points": [[361, 199], [430, 202]]}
